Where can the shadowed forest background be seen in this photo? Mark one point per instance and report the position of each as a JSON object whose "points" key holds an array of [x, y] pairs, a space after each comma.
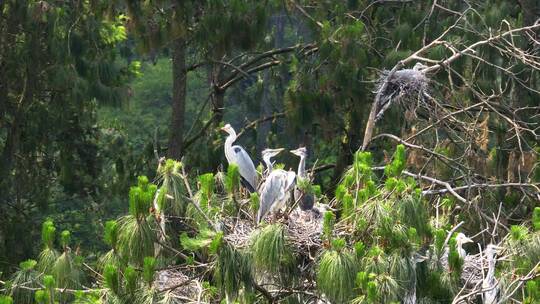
{"points": [[95, 94]]}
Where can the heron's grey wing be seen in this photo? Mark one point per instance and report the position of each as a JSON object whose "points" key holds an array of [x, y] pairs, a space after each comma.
{"points": [[291, 178], [269, 194], [245, 166], [283, 183]]}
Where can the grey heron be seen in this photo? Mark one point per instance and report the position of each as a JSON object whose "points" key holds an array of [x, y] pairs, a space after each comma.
{"points": [[305, 200], [237, 155], [460, 240], [489, 283], [410, 294], [274, 192], [267, 155]]}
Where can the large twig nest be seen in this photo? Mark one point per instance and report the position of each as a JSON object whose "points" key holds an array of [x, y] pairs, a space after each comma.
{"points": [[303, 230], [407, 86], [178, 283]]}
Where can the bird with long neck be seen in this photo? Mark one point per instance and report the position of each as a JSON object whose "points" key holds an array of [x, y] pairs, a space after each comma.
{"points": [[489, 283], [274, 192], [237, 155], [267, 155], [460, 240], [305, 200]]}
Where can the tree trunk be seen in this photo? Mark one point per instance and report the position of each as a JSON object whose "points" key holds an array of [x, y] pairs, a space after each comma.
{"points": [[179, 73], [349, 144]]}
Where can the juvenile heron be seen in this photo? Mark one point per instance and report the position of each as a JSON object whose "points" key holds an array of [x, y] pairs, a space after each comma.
{"points": [[489, 283], [274, 192], [267, 155], [460, 240], [305, 200], [237, 155]]}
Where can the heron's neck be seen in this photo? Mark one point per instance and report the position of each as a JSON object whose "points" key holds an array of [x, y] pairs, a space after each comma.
{"points": [[302, 167], [268, 163], [491, 268], [228, 145], [462, 253]]}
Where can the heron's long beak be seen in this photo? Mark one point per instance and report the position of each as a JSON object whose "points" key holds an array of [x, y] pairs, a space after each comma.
{"points": [[467, 240]]}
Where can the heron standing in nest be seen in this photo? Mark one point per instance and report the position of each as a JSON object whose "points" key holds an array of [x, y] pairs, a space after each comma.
{"points": [[489, 283], [275, 191], [237, 155], [305, 200]]}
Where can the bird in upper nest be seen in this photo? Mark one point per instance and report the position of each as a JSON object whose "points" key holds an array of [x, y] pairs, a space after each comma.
{"points": [[408, 84]]}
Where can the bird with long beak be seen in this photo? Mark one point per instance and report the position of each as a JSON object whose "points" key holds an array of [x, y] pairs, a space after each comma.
{"points": [[267, 155], [460, 240], [274, 192], [489, 283], [237, 155], [305, 200]]}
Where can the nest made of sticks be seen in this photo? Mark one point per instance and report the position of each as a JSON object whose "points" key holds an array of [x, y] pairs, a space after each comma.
{"points": [[406, 86], [178, 283], [303, 230]]}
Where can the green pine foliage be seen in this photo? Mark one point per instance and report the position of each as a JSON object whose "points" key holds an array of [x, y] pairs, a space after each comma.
{"points": [[149, 268], [536, 219], [269, 249], [110, 276], [67, 270], [130, 280], [68, 159], [170, 176], [232, 179], [136, 238], [394, 168], [49, 255], [25, 276], [233, 271], [336, 273], [6, 300]]}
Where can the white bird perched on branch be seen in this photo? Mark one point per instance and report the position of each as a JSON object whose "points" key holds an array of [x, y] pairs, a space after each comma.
{"points": [[305, 200], [275, 190], [237, 155]]}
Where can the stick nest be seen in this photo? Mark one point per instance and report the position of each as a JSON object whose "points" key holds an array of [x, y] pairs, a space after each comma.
{"points": [[407, 86], [178, 283], [303, 230]]}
